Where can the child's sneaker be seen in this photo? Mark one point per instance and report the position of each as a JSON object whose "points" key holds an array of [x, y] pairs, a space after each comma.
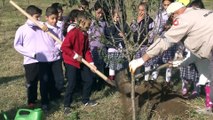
{"points": [[91, 103], [67, 110], [204, 111], [209, 109]]}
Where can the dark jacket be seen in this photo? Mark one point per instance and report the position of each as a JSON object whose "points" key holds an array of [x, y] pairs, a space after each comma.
{"points": [[145, 26], [112, 33]]}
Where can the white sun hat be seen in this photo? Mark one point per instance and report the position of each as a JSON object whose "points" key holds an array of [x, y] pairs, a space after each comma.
{"points": [[174, 7]]}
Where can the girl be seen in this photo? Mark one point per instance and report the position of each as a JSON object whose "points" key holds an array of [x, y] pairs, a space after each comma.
{"points": [[162, 24], [71, 21], [115, 44], [141, 28]]}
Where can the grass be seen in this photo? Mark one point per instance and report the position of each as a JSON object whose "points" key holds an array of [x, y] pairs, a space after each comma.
{"points": [[12, 81]]}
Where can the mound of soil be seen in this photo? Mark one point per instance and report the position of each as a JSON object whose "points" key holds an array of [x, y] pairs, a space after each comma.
{"points": [[173, 107], [152, 98]]}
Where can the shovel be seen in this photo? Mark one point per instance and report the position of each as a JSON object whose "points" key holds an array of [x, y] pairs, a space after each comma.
{"points": [[158, 68]]}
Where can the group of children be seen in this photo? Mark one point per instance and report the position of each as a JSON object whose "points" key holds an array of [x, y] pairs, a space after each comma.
{"points": [[84, 38], [42, 56]]}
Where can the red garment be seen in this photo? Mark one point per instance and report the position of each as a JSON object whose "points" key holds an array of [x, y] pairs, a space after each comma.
{"points": [[76, 41]]}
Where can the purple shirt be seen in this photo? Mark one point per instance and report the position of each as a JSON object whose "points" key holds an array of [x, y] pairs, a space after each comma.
{"points": [[95, 32], [160, 22], [25, 41], [36, 45], [48, 49], [60, 23]]}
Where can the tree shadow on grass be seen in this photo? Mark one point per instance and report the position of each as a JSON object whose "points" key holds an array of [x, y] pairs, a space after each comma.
{"points": [[7, 79]]}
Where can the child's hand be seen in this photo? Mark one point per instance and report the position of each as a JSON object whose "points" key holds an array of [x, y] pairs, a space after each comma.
{"points": [[121, 34], [79, 58], [44, 28]]}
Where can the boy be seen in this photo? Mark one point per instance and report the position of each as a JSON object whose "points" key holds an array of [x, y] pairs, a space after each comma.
{"points": [[61, 18], [96, 32], [84, 5], [25, 43], [51, 50], [75, 47]]}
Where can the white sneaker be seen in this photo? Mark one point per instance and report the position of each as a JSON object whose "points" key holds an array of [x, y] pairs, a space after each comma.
{"points": [[204, 111], [91, 103]]}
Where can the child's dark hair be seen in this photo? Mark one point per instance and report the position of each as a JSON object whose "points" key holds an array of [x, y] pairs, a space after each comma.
{"points": [[145, 5], [58, 6], [84, 2], [97, 6], [123, 16], [168, 0], [51, 11], [73, 15], [71, 18], [32, 9], [82, 15], [197, 3]]}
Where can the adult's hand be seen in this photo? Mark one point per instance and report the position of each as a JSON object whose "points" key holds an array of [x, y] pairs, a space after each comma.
{"points": [[134, 64]]}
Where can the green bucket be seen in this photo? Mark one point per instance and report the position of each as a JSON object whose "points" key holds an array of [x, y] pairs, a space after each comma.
{"points": [[27, 114]]}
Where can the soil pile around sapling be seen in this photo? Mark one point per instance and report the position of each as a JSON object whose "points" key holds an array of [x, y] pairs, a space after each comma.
{"points": [[155, 99]]}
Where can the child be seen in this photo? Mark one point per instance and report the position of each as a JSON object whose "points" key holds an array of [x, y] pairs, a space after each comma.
{"points": [[197, 4], [96, 33], [74, 48], [161, 26], [115, 44], [84, 5], [71, 21], [26, 42], [52, 51], [141, 27], [70, 24], [61, 18], [188, 74], [162, 17]]}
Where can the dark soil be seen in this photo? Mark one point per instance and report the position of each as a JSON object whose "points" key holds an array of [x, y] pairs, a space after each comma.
{"points": [[155, 99]]}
